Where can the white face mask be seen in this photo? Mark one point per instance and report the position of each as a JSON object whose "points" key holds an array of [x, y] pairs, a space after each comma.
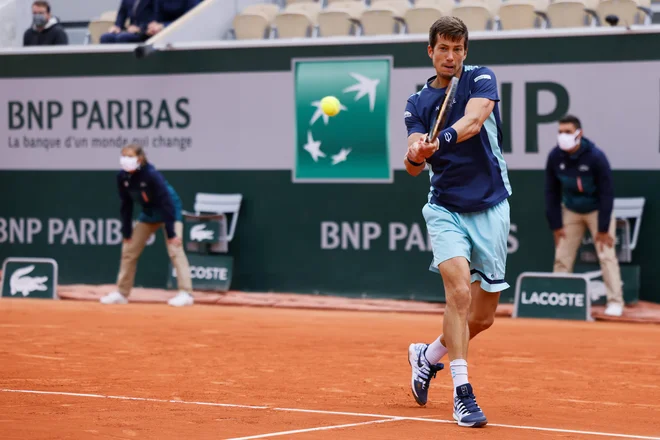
{"points": [[568, 141], [129, 163]]}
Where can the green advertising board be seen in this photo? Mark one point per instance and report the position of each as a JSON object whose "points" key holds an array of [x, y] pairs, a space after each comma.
{"points": [[552, 296], [29, 278], [207, 272], [236, 120], [335, 149]]}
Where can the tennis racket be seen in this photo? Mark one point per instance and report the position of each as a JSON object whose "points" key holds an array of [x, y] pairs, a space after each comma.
{"points": [[446, 106]]}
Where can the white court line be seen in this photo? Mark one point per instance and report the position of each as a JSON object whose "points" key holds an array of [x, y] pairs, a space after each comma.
{"points": [[573, 431], [378, 416], [322, 428], [340, 413], [591, 402], [37, 356], [650, 364], [145, 399]]}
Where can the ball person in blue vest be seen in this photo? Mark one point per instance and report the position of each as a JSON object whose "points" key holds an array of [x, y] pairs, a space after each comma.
{"points": [[140, 182], [579, 194], [467, 214]]}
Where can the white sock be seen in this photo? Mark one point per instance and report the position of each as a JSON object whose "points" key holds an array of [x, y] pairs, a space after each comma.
{"points": [[435, 351], [459, 372]]}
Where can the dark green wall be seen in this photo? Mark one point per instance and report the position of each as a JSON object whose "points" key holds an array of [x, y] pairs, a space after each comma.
{"points": [[277, 244]]}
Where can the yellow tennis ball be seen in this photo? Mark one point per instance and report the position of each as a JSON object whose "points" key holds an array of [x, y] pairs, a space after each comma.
{"points": [[330, 105]]}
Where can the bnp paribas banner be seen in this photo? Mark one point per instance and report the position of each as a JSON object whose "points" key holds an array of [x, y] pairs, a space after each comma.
{"points": [[325, 207], [355, 147], [271, 120]]}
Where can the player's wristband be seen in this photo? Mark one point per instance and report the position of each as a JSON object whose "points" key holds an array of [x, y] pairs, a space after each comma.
{"points": [[413, 163], [447, 137]]}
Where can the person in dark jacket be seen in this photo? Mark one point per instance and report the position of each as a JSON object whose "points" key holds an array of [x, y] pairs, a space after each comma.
{"points": [[167, 12], [579, 194], [140, 182], [139, 13], [46, 30]]}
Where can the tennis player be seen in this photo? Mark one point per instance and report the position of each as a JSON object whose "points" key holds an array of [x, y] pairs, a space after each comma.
{"points": [[467, 214], [140, 182]]}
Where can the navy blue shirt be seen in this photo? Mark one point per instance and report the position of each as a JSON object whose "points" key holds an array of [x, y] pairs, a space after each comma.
{"points": [[582, 181], [141, 16], [168, 11], [160, 203], [472, 175]]}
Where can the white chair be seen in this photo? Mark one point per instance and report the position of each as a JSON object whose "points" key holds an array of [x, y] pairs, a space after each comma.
{"points": [[223, 204], [99, 26], [627, 209], [517, 14], [298, 20], [95, 29], [645, 12], [424, 13], [626, 10], [255, 21], [340, 18], [385, 17], [476, 14], [567, 14]]}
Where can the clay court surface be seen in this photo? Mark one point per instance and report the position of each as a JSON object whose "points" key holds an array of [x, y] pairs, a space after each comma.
{"points": [[148, 371]]}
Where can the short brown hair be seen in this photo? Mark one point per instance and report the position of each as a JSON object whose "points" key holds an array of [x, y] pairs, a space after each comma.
{"points": [[42, 4], [451, 28], [570, 119]]}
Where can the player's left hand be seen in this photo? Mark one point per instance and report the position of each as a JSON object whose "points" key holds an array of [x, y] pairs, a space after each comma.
{"points": [[413, 153], [426, 149], [604, 239], [175, 241]]}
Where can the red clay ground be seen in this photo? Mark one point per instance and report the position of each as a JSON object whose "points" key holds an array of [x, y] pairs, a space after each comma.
{"points": [[597, 376]]}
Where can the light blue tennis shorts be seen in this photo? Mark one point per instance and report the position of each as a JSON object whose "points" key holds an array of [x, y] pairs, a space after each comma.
{"points": [[481, 237]]}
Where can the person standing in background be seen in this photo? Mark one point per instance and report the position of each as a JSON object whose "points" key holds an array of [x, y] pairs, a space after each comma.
{"points": [[140, 182], [579, 194]]}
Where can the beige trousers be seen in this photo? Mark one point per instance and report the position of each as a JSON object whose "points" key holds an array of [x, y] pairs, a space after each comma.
{"points": [[130, 252], [565, 253]]}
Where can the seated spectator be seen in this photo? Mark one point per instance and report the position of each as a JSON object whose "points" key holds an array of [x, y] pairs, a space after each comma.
{"points": [[139, 13], [167, 12], [46, 30]]}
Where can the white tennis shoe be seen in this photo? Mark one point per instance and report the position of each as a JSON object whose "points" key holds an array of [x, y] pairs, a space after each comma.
{"points": [[614, 309], [182, 299], [114, 298]]}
